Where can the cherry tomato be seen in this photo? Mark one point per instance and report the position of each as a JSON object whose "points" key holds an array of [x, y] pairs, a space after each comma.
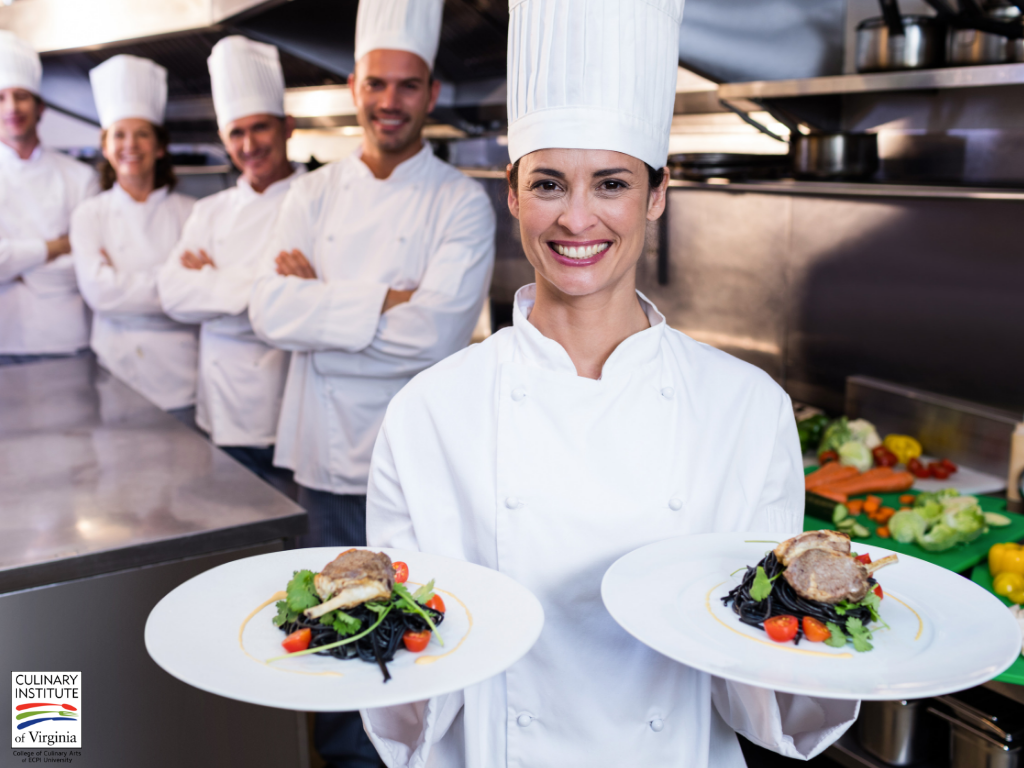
{"points": [[884, 457], [827, 456], [814, 630], [864, 559], [917, 469], [298, 640], [436, 603], [878, 591], [949, 465], [416, 641], [781, 629], [401, 571], [936, 470]]}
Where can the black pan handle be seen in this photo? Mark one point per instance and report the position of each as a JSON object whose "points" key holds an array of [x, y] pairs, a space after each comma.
{"points": [[893, 18]]}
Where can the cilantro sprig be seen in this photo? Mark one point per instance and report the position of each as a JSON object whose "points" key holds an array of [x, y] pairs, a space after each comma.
{"points": [[762, 586]]}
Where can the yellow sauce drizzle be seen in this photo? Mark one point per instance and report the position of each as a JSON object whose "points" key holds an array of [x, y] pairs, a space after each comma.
{"points": [[432, 659], [276, 596], [920, 624], [769, 643]]}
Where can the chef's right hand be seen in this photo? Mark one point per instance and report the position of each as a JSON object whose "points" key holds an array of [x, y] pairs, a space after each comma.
{"points": [[190, 260], [57, 248], [394, 298]]}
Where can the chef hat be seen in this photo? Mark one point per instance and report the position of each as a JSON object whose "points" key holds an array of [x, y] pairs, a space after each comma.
{"points": [[399, 25], [246, 79], [128, 86], [19, 63], [593, 74]]}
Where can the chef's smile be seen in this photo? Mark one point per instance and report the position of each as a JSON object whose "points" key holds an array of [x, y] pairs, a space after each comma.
{"points": [[579, 253]]}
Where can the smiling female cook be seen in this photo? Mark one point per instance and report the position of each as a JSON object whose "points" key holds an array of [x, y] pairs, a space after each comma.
{"points": [[123, 236], [588, 429]]}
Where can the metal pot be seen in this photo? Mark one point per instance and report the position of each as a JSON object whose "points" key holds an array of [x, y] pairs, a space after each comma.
{"points": [[892, 731], [973, 46], [834, 156], [919, 47]]}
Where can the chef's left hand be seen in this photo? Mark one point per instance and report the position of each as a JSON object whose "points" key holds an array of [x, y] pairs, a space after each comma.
{"points": [[106, 258], [294, 263]]}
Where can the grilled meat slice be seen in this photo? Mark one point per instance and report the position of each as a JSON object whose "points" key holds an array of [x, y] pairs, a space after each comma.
{"points": [[354, 577], [827, 576], [791, 549]]}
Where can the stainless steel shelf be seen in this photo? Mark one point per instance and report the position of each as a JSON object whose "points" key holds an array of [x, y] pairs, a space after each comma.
{"points": [[926, 79], [852, 189]]}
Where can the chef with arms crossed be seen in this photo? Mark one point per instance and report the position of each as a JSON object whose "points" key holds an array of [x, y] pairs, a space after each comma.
{"points": [[588, 429], [210, 276], [41, 312], [124, 235], [377, 268]]}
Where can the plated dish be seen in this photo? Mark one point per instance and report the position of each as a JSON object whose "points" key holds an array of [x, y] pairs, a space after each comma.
{"points": [[925, 643], [489, 622]]}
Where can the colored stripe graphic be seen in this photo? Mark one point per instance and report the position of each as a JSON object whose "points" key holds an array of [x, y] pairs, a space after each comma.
{"points": [[23, 715], [29, 706], [41, 719], [66, 713]]}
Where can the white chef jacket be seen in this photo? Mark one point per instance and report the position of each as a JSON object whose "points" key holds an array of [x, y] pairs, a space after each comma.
{"points": [[241, 379], [41, 311], [131, 336], [501, 455], [427, 227]]}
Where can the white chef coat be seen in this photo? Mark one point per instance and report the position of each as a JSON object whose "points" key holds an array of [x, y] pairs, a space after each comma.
{"points": [[501, 455], [241, 379], [41, 311], [131, 335], [427, 227]]}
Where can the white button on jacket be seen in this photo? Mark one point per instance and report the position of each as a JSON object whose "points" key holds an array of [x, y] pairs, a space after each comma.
{"points": [[241, 379], [598, 460], [426, 227], [41, 311], [131, 335]]}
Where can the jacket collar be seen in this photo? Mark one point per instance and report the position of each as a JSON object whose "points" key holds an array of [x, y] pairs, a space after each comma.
{"points": [[406, 171], [279, 186], [534, 348], [8, 155], [154, 199]]}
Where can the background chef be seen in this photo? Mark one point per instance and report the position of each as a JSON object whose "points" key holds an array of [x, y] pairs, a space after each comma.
{"points": [[41, 312], [209, 278], [588, 429], [124, 235], [377, 268]]}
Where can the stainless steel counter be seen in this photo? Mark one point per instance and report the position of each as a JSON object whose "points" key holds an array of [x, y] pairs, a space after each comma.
{"points": [[95, 479]]}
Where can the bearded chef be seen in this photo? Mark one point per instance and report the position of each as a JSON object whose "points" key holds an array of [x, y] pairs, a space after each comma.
{"points": [[123, 236], [41, 312], [210, 275], [588, 429], [377, 268]]}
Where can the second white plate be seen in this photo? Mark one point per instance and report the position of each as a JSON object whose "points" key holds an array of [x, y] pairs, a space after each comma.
{"points": [[945, 633]]}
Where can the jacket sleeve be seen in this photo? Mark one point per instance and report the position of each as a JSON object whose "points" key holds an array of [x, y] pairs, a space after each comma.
{"points": [[439, 319], [195, 296], [799, 727], [103, 287], [310, 315], [404, 735], [20, 255]]}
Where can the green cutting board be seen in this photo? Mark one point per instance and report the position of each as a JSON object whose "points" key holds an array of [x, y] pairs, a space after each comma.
{"points": [[1015, 674], [959, 558]]}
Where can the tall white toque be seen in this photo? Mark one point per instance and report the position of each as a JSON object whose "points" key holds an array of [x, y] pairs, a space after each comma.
{"points": [[128, 86], [399, 25], [19, 63], [593, 74], [246, 79]]}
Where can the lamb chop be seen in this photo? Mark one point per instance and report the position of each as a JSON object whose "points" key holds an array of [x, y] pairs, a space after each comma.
{"points": [[790, 549], [831, 577], [354, 577]]}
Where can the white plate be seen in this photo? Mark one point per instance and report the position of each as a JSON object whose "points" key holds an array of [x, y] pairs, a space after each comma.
{"points": [[195, 633], [946, 633]]}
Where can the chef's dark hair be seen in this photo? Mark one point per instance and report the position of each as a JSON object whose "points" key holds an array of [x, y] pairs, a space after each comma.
{"points": [[654, 176], [163, 173]]}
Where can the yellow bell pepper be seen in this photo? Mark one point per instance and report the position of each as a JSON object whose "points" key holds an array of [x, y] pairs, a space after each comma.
{"points": [[904, 446], [1006, 558], [1010, 585]]}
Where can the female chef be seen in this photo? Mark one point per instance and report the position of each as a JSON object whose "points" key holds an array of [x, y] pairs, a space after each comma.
{"points": [[122, 237], [588, 429]]}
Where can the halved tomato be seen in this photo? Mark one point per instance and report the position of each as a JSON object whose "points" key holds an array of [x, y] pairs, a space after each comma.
{"points": [[416, 641], [864, 559], [298, 640], [878, 591], [436, 603], [401, 571], [781, 629], [814, 630]]}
